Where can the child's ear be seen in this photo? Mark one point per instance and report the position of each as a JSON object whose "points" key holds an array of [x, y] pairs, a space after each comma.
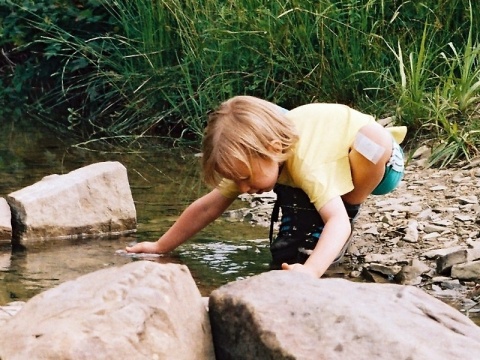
{"points": [[275, 146]]}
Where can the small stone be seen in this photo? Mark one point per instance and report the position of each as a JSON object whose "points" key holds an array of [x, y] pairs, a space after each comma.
{"points": [[438, 188], [411, 234], [445, 263], [384, 269], [355, 274], [460, 178], [468, 200], [467, 271], [430, 228], [464, 218], [422, 152], [430, 236]]}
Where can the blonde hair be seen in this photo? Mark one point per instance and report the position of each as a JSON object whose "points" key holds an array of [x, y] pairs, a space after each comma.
{"points": [[241, 128]]}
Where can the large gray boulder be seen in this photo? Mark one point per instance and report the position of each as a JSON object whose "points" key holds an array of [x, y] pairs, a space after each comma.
{"points": [[92, 200], [142, 310], [287, 315]]}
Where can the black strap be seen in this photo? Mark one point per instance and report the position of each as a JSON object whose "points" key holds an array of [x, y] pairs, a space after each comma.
{"points": [[274, 217]]}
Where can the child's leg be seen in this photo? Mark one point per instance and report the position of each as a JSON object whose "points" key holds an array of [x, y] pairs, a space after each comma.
{"points": [[368, 156]]}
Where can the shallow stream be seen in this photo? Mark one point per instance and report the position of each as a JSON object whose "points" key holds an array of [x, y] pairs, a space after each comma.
{"points": [[163, 183]]}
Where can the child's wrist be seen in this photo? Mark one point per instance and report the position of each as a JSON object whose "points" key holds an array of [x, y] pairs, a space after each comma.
{"points": [[313, 270]]}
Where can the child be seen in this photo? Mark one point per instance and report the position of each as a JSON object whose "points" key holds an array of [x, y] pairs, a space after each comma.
{"points": [[326, 158]]}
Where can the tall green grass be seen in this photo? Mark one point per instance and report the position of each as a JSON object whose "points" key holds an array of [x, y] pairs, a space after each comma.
{"points": [[168, 63], [437, 86]]}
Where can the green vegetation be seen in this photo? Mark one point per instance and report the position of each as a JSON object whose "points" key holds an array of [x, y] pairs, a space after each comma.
{"points": [[130, 69]]}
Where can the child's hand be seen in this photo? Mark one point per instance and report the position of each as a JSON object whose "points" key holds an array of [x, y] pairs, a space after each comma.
{"points": [[143, 247], [299, 268]]}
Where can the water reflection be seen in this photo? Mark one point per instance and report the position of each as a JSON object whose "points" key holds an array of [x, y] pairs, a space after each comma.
{"points": [[214, 263], [211, 262], [29, 272]]}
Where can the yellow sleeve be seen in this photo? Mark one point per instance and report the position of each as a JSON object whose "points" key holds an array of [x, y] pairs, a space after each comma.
{"points": [[228, 189], [398, 133]]}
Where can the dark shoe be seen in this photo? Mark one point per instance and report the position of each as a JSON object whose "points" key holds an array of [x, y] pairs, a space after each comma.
{"points": [[299, 218], [300, 227]]}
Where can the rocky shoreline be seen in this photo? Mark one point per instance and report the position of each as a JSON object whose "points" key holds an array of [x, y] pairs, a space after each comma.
{"points": [[425, 233], [428, 227]]}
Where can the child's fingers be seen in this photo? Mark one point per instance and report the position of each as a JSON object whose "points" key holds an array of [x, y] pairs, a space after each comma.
{"points": [[137, 248], [299, 268], [132, 248]]}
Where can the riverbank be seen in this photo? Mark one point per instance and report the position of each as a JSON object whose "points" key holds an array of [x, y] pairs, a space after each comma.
{"points": [[433, 212]]}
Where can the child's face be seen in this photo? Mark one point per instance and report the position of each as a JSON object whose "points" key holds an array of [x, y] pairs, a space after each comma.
{"points": [[263, 176]]}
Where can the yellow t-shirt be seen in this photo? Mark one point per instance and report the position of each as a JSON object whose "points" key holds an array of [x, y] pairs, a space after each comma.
{"points": [[319, 162]]}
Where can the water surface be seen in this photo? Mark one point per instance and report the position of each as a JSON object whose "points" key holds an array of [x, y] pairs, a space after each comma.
{"points": [[163, 183]]}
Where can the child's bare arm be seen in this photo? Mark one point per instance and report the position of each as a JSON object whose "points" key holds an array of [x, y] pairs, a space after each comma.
{"points": [[334, 235], [193, 219]]}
